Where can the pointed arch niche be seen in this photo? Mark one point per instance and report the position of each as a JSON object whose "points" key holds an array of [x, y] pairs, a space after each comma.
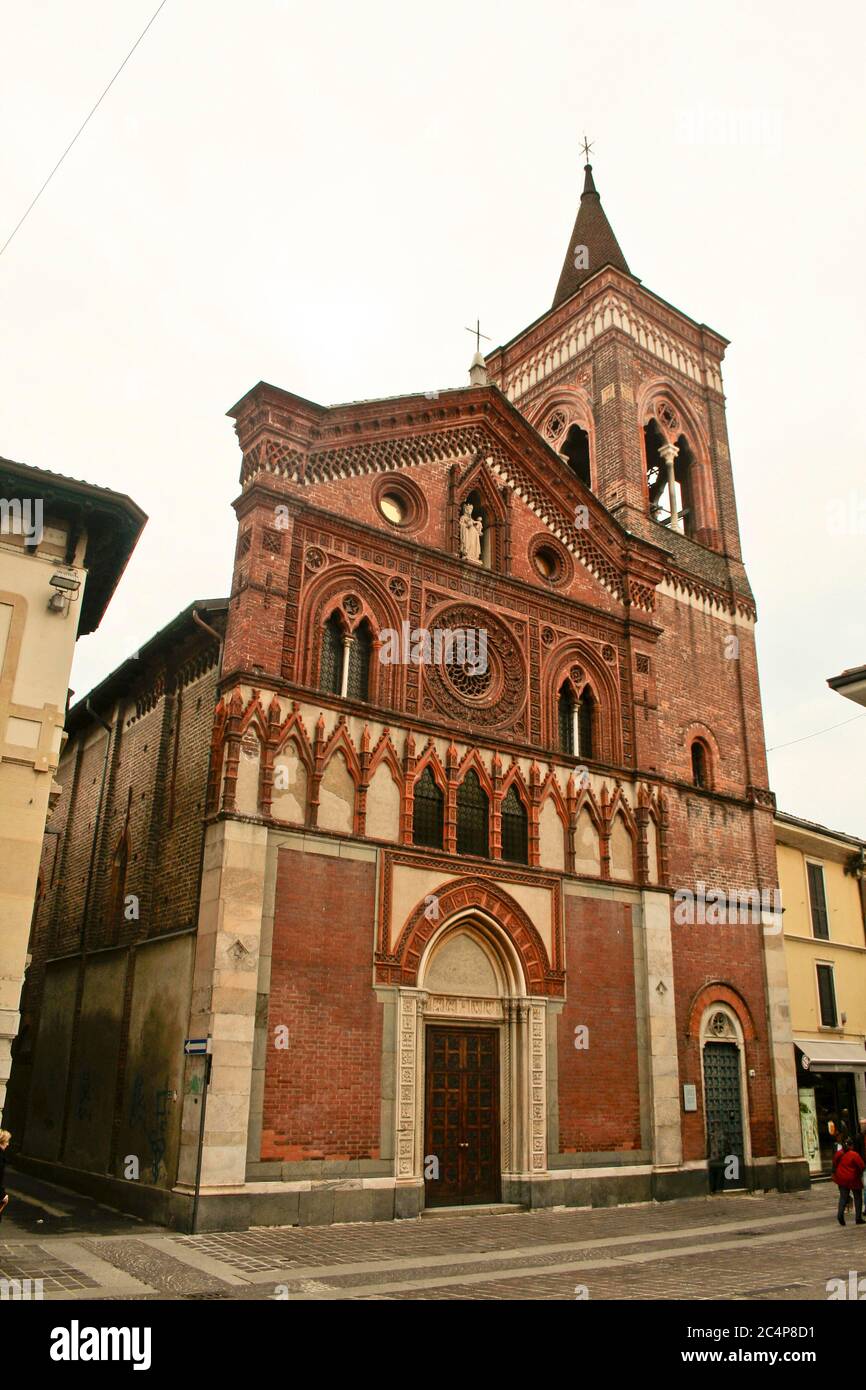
{"points": [[475, 484]]}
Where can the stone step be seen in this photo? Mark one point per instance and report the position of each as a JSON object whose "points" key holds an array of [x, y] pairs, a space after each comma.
{"points": [[483, 1209]]}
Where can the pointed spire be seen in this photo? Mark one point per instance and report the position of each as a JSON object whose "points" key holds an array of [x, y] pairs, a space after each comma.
{"points": [[592, 244]]}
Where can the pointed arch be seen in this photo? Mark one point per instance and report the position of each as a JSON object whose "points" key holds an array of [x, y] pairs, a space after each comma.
{"points": [[573, 665], [514, 823], [428, 810], [658, 399], [472, 759], [385, 752], [473, 815], [622, 837], [430, 758], [490, 901], [338, 739], [476, 484], [333, 593]]}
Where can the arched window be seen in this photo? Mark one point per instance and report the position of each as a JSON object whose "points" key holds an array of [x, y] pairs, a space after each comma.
{"points": [[669, 479], [515, 828], [428, 812], [360, 651], [683, 474], [345, 665], [585, 724], [576, 721], [565, 708], [575, 451], [656, 473], [700, 764], [472, 817], [331, 665]]}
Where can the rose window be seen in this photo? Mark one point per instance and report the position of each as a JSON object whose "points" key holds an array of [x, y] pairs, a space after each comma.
{"points": [[465, 676]]}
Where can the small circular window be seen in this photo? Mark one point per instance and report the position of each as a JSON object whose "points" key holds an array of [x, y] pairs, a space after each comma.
{"points": [[393, 508], [400, 503], [547, 563], [551, 561]]}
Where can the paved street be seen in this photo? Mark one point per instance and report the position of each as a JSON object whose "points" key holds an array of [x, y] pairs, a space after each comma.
{"points": [[763, 1247]]}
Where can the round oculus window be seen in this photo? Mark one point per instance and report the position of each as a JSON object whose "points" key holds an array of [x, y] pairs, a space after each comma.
{"points": [[394, 508], [547, 562]]}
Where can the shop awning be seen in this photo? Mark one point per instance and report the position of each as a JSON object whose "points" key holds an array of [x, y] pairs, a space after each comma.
{"points": [[832, 1056]]}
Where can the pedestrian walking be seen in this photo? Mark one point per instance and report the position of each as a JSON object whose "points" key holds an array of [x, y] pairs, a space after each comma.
{"points": [[848, 1168], [860, 1141], [5, 1136]]}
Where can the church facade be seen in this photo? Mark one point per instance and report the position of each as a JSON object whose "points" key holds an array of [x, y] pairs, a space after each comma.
{"points": [[487, 816]]}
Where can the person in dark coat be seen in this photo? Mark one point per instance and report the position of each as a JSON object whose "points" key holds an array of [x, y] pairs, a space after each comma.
{"points": [[860, 1141], [848, 1168], [5, 1136]]}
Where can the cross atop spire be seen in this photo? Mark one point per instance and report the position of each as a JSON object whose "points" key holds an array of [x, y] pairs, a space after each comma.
{"points": [[592, 243], [478, 335]]}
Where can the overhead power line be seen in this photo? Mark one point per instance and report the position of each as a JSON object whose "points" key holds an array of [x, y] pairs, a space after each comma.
{"points": [[90, 113], [777, 746]]}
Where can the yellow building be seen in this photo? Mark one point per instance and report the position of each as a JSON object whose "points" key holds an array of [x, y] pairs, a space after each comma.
{"points": [[63, 547], [822, 875]]}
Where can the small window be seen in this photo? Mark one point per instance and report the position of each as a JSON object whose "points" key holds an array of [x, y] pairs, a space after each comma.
{"points": [[585, 724], [700, 773], [565, 707], [428, 811], [818, 902], [576, 721], [331, 668], [360, 651], [827, 996], [472, 817], [575, 450], [515, 828]]}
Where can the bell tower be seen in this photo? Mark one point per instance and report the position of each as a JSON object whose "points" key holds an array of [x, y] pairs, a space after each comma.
{"points": [[628, 390]]}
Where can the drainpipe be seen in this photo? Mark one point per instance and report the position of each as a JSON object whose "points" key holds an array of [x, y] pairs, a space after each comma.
{"points": [[207, 628]]}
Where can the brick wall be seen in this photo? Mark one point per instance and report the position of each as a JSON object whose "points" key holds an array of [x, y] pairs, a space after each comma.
{"points": [[322, 1093], [599, 1096]]}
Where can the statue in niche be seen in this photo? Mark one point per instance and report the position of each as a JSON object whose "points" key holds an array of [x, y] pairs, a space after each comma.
{"points": [[471, 534]]}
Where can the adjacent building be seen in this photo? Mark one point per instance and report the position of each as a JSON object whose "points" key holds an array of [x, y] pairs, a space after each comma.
{"points": [[63, 547], [98, 1074], [851, 684], [823, 882]]}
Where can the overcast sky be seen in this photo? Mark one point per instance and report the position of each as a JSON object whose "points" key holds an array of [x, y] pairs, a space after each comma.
{"points": [[324, 195]]}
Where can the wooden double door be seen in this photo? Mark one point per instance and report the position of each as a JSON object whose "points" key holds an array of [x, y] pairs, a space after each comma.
{"points": [[461, 1121]]}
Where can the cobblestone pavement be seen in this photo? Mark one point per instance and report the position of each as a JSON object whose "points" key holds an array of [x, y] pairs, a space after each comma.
{"points": [[763, 1247]]}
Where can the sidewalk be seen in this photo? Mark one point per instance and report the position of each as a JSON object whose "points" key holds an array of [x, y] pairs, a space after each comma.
{"points": [[737, 1246]]}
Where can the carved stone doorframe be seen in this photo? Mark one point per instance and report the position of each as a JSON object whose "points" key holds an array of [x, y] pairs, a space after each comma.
{"points": [[522, 1026]]}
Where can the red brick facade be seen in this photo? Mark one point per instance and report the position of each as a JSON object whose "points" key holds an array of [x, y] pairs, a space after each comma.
{"points": [[333, 929], [658, 620]]}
